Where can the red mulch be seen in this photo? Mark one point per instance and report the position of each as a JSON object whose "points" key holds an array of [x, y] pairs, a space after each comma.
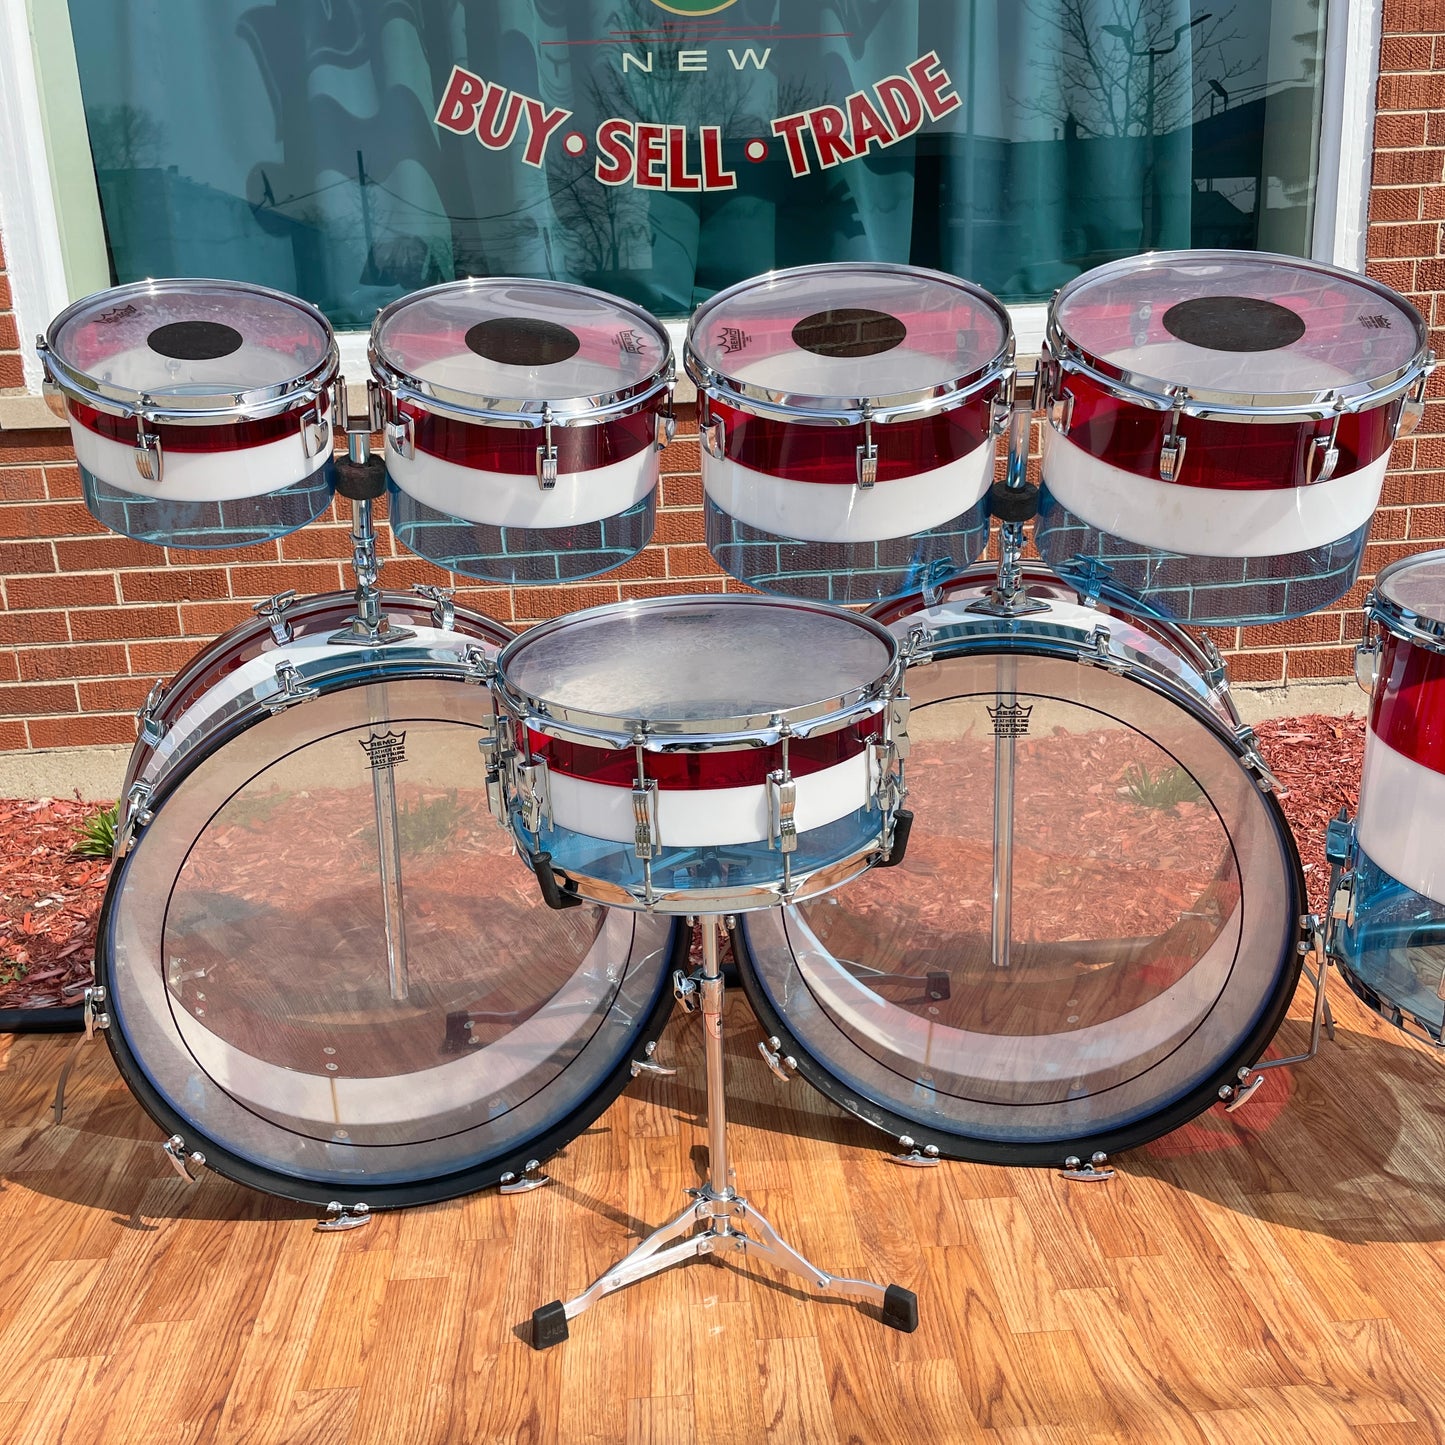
{"points": [[49, 898], [50, 895]]}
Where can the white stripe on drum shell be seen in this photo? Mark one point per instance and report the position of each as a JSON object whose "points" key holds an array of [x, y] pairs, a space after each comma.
{"points": [[510, 499], [842, 511], [1399, 826], [1205, 521], [708, 817], [200, 476]]}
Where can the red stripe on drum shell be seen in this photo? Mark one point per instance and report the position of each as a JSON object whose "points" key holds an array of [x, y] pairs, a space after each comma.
{"points": [[513, 450], [1408, 711], [219, 436], [713, 768], [799, 452], [1223, 455]]}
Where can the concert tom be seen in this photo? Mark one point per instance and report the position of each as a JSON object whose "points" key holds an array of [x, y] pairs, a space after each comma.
{"points": [[1391, 940], [523, 421], [693, 755], [849, 414], [199, 410], [1218, 428]]}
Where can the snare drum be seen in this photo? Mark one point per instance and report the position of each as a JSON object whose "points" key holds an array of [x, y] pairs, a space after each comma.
{"points": [[1150, 907], [1218, 428], [200, 411], [690, 755], [523, 421], [849, 414], [1392, 942], [323, 971]]}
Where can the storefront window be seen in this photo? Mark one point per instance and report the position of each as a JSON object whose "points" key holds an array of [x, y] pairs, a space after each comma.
{"points": [[350, 151]]}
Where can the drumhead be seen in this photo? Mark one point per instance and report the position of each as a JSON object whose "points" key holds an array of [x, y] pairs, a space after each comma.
{"points": [[257, 1008], [501, 344], [1241, 327], [831, 336], [1409, 598], [684, 661], [1155, 907], [192, 345]]}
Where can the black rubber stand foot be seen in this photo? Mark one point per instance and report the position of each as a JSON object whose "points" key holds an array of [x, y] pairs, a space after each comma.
{"points": [[900, 1309], [549, 1324]]}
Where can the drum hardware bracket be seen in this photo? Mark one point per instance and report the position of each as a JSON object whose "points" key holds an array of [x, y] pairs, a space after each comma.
{"points": [[547, 454], [443, 607], [1096, 1171], [149, 459], [1171, 454], [713, 1219], [1249, 742], [914, 1156], [534, 793], [780, 1063], [1216, 678], [1250, 1077], [1367, 656], [1103, 654], [95, 1019], [290, 689], [400, 434], [150, 727], [666, 419], [1326, 449], [866, 462], [685, 990], [1412, 410], [555, 894], [343, 1216], [782, 808], [532, 1177], [648, 1065], [315, 432], [183, 1160], [137, 815], [916, 649], [272, 611], [714, 437]]}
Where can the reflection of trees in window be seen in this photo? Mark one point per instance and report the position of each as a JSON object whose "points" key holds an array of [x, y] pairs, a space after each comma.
{"points": [[1129, 67], [123, 137]]}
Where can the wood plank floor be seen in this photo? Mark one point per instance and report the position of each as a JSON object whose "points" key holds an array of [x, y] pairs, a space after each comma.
{"points": [[1272, 1275]]}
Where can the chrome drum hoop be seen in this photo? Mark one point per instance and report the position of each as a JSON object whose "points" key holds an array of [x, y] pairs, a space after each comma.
{"points": [[397, 385], [1061, 356], [213, 409], [851, 411], [1397, 619]]}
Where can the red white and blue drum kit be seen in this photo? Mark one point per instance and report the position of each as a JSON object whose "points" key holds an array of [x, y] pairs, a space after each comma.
{"points": [[1074, 915]]}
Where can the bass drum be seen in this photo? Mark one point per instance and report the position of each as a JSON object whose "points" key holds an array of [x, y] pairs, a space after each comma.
{"points": [[1156, 902], [323, 969]]}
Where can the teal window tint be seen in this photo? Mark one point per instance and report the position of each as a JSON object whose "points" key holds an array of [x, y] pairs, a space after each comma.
{"points": [[294, 144]]}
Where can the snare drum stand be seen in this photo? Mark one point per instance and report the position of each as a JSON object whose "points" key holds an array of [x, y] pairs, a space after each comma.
{"points": [[723, 1220]]}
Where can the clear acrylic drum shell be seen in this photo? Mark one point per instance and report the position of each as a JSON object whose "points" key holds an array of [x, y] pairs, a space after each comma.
{"points": [[618, 962], [784, 435], [860, 1077], [1392, 943], [204, 443], [465, 435], [564, 686], [1248, 530]]}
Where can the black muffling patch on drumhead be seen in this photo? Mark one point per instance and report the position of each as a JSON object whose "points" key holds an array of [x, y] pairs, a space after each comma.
{"points": [[1234, 323], [194, 340], [848, 331], [522, 341]]}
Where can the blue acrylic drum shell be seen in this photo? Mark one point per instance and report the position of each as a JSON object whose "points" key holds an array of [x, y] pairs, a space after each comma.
{"points": [[199, 410]]}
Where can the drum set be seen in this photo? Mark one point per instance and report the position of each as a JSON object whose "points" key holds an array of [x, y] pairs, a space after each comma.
{"points": [[1075, 914]]}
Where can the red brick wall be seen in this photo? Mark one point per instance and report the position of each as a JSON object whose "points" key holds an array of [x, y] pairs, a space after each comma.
{"points": [[88, 620]]}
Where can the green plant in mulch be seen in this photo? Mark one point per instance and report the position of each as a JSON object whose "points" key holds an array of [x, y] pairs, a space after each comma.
{"points": [[429, 823], [97, 835], [12, 971], [1161, 790]]}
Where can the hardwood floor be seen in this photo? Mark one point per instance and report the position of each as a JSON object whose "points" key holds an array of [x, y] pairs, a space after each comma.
{"points": [[1276, 1274]]}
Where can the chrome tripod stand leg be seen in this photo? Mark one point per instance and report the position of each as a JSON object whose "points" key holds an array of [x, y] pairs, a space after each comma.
{"points": [[1008, 721], [716, 1208]]}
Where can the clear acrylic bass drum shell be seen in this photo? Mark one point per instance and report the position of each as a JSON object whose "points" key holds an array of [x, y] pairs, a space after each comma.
{"points": [[1146, 971], [1393, 941], [243, 940], [228, 384], [1278, 363]]}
